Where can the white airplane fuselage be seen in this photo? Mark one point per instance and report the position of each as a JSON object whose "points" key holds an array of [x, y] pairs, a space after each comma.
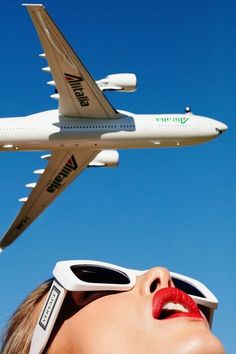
{"points": [[47, 130], [86, 130]]}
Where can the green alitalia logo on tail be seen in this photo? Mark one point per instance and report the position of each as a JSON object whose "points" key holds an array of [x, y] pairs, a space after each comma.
{"points": [[181, 120]]}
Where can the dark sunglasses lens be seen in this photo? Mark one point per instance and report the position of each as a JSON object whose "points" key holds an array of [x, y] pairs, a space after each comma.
{"points": [[187, 288], [99, 274]]}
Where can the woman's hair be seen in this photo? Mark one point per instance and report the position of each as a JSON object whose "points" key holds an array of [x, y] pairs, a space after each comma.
{"points": [[19, 332]]}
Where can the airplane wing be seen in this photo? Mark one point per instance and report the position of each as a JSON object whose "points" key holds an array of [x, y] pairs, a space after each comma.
{"points": [[62, 168], [79, 95]]}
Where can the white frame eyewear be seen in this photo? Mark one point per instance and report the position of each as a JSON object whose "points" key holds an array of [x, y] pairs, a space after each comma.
{"points": [[67, 279]]}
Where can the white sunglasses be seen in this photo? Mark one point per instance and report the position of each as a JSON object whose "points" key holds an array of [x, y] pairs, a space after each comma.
{"points": [[86, 275]]}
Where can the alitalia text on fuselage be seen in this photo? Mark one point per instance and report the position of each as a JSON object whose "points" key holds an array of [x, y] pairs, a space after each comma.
{"points": [[46, 130]]}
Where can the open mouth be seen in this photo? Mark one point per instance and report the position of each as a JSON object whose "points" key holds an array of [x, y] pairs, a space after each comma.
{"points": [[172, 303], [172, 309]]}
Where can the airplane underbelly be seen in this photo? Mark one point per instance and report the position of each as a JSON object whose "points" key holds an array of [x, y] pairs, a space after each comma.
{"points": [[133, 137]]}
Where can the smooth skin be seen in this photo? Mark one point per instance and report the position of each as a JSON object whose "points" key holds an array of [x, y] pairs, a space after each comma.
{"points": [[121, 323]]}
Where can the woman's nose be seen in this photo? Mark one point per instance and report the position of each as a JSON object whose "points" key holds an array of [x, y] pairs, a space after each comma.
{"points": [[154, 279]]}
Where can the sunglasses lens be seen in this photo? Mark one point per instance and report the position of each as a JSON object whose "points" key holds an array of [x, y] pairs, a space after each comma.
{"points": [[187, 288], [99, 274]]}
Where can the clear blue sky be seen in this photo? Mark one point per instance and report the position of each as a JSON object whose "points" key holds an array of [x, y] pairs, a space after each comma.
{"points": [[170, 207]]}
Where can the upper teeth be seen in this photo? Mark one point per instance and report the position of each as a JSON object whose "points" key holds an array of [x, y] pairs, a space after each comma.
{"points": [[176, 307]]}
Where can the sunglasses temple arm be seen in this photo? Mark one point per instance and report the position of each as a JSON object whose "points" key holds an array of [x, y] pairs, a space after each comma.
{"points": [[47, 318]]}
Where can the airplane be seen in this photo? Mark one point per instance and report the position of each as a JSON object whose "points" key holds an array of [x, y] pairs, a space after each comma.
{"points": [[85, 130]]}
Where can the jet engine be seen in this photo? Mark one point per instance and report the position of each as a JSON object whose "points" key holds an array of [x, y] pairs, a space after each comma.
{"points": [[118, 82], [105, 158]]}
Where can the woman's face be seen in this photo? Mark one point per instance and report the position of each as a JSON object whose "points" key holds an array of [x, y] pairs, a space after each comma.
{"points": [[124, 323]]}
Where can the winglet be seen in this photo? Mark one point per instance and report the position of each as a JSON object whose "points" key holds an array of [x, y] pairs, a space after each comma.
{"points": [[41, 5]]}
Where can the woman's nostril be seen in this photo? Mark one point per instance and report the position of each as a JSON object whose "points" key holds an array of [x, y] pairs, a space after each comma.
{"points": [[154, 285]]}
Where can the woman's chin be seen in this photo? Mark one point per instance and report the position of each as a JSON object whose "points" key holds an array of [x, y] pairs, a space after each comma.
{"points": [[201, 343]]}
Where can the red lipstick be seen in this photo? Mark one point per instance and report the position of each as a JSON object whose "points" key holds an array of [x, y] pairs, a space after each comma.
{"points": [[165, 304]]}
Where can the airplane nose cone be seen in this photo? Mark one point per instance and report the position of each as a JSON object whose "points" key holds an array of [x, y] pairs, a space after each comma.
{"points": [[221, 127]]}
